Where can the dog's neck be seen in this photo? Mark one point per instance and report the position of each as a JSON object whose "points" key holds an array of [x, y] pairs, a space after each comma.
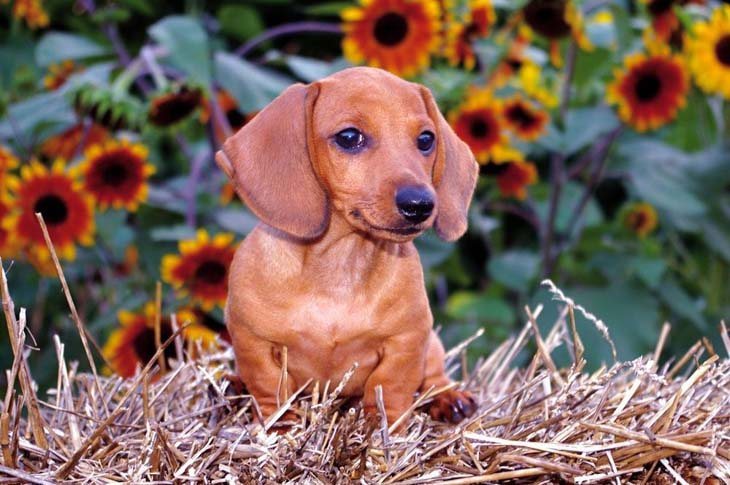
{"points": [[342, 250]]}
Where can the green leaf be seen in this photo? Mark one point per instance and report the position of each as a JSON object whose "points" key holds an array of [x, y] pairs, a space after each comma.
{"points": [[113, 230], [659, 174], [164, 198], [432, 250], [694, 128], [331, 9], [474, 306], [629, 311], [649, 270], [584, 125], [601, 34], [240, 221], [308, 69], [240, 21], [46, 111], [681, 303], [252, 86], [172, 233], [187, 46], [590, 67], [140, 6], [571, 195], [55, 47], [717, 236], [515, 269]]}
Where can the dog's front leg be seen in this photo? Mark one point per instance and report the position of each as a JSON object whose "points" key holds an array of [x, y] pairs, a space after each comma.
{"points": [[451, 406], [257, 365], [399, 372]]}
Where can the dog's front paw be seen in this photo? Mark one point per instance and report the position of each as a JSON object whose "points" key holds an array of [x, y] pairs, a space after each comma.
{"points": [[452, 406]]}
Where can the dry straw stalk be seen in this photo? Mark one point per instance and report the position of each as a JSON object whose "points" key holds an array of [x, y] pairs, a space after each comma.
{"points": [[631, 422]]}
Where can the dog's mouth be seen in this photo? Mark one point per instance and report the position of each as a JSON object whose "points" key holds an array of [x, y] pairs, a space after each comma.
{"points": [[400, 231]]}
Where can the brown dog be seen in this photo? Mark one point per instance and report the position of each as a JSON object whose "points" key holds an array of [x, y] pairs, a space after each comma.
{"points": [[344, 173]]}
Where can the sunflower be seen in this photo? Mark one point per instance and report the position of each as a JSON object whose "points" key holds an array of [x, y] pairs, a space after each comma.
{"points": [[533, 84], [478, 121], [524, 119], [128, 263], [133, 344], [8, 162], [514, 179], [76, 139], [640, 218], [708, 50], [30, 11], [116, 173], [460, 36], [664, 21], [201, 268], [236, 118], [397, 35], [228, 193], [555, 20], [513, 60], [8, 244], [173, 107], [59, 73], [650, 90], [67, 210]]}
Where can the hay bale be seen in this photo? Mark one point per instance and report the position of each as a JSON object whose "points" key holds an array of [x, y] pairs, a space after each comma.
{"points": [[630, 422]]}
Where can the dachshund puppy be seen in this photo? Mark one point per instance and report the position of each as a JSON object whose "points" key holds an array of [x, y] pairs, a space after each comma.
{"points": [[344, 173]]}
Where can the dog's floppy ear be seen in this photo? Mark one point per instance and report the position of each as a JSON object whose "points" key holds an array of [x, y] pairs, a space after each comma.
{"points": [[269, 162], [454, 175]]}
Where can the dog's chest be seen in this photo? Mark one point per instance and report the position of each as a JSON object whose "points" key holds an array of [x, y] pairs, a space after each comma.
{"points": [[325, 324]]}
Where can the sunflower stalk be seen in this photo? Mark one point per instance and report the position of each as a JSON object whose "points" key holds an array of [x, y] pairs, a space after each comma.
{"points": [[155, 70], [287, 29], [600, 159], [557, 169]]}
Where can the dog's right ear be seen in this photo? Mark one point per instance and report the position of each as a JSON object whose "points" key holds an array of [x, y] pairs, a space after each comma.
{"points": [[269, 162]]}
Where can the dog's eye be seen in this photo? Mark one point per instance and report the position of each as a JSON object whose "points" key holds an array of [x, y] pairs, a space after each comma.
{"points": [[350, 139], [425, 141]]}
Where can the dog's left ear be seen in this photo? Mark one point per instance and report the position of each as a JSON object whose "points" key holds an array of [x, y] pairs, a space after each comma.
{"points": [[454, 175]]}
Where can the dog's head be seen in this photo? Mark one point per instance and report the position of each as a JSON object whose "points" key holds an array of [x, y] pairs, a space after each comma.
{"points": [[363, 143]]}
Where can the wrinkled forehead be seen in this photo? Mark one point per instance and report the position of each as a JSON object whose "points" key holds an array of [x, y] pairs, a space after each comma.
{"points": [[365, 95]]}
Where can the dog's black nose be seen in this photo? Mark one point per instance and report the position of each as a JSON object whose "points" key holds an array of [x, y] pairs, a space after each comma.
{"points": [[414, 203]]}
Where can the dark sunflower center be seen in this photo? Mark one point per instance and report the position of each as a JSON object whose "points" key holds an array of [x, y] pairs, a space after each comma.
{"points": [[390, 29], [658, 7], [521, 116], [471, 31], [493, 169], [478, 128], [235, 118], [648, 87], [114, 174], [53, 208], [171, 108], [638, 220], [547, 18], [144, 343], [514, 63], [722, 50], [210, 272], [209, 320]]}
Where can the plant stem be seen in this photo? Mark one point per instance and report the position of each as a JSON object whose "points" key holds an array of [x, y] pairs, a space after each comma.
{"points": [[525, 213], [557, 168], [601, 155], [287, 29]]}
